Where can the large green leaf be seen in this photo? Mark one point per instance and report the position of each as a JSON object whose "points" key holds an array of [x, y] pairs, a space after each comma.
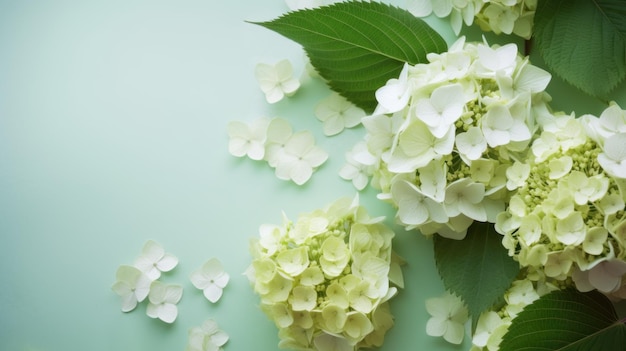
{"points": [[477, 268], [358, 46], [584, 42], [567, 320]]}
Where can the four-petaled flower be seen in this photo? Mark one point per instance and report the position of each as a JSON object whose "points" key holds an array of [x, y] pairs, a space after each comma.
{"points": [[154, 260], [277, 80], [163, 299], [132, 285], [449, 315], [207, 337], [211, 279], [300, 156], [338, 113], [248, 139]]}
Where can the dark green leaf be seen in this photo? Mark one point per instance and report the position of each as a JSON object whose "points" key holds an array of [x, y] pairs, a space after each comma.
{"points": [[358, 46], [584, 42], [477, 268], [567, 320]]}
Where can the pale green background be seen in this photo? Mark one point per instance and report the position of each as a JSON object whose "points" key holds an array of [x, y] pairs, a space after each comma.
{"points": [[113, 131]]}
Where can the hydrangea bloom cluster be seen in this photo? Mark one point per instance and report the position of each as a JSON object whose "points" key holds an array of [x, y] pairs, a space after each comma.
{"points": [[294, 156], [498, 16], [325, 279], [446, 134], [567, 218]]}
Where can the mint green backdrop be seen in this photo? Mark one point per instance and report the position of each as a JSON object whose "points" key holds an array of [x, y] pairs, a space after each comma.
{"points": [[113, 131]]}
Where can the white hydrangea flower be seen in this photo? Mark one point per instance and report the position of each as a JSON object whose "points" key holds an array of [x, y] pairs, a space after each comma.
{"points": [[248, 139], [163, 299], [465, 197], [442, 109], [355, 169], [415, 208], [338, 113], [448, 317], [211, 279], [487, 324], [299, 158], [516, 175], [501, 18], [276, 80], [500, 127], [471, 144], [207, 337], [132, 285], [613, 157], [394, 96], [154, 260]]}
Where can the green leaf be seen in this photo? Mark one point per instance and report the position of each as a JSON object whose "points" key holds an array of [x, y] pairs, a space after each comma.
{"points": [[358, 46], [477, 268], [584, 42], [567, 320]]}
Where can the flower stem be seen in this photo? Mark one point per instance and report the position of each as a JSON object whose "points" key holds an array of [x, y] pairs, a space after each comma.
{"points": [[528, 45]]}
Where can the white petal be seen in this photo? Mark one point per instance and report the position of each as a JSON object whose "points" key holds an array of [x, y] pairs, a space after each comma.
{"points": [[420, 8], [301, 172], [300, 143], [153, 250], [333, 126], [274, 95], [168, 312], [436, 327], [173, 294], [219, 338], [279, 131], [152, 310], [213, 292], [167, 263], [129, 302], [200, 280], [316, 156], [454, 334], [222, 280], [238, 147], [290, 86], [532, 79]]}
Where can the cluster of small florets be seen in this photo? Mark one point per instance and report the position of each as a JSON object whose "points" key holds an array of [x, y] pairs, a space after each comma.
{"points": [[325, 279], [444, 134], [498, 16], [566, 218]]}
